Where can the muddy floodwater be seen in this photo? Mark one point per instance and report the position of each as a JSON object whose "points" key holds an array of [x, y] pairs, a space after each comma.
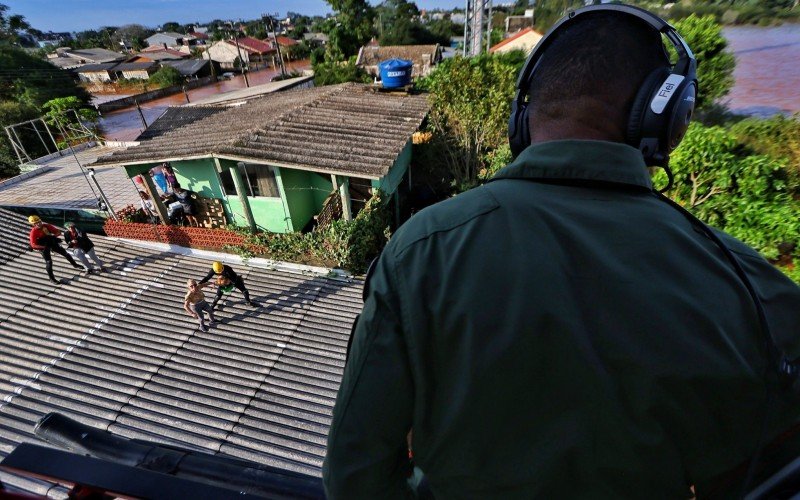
{"points": [[126, 124], [767, 69]]}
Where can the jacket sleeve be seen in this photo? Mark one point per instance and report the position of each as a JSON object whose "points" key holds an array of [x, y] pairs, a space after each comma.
{"points": [[208, 276], [32, 237], [367, 453], [53, 230]]}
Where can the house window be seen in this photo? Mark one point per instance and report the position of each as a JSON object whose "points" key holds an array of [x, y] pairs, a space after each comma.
{"points": [[260, 180], [227, 182]]}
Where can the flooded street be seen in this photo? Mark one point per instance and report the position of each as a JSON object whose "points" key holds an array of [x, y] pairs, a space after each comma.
{"points": [[767, 71], [126, 124]]}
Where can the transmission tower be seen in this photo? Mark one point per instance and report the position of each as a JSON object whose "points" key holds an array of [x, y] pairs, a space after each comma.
{"points": [[477, 26]]}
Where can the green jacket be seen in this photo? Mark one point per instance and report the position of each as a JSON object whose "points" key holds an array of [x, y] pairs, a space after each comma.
{"points": [[559, 332]]}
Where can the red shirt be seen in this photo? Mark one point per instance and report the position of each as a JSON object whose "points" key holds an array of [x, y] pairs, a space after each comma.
{"points": [[44, 230]]}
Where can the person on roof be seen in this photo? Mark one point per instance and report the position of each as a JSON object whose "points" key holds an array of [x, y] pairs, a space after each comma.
{"points": [[44, 239], [80, 245], [226, 276], [195, 304], [564, 330]]}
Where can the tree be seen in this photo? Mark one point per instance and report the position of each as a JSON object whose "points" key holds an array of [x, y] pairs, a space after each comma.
{"points": [[167, 76], [28, 83], [132, 35], [349, 29], [732, 188], [173, 27], [715, 64], [470, 103], [11, 25]]}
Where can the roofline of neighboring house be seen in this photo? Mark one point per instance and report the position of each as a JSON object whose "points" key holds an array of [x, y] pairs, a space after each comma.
{"points": [[259, 161], [510, 39]]}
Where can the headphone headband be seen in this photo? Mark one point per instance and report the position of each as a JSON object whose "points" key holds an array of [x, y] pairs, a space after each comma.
{"points": [[666, 105]]}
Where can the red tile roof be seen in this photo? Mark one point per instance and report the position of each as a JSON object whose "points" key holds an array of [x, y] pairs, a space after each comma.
{"points": [[285, 41], [510, 39], [253, 45]]}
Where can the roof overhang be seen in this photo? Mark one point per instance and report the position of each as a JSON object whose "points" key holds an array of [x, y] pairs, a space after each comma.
{"points": [[245, 159]]}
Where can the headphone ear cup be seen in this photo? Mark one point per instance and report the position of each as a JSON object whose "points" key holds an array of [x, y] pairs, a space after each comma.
{"points": [[639, 108], [519, 136]]}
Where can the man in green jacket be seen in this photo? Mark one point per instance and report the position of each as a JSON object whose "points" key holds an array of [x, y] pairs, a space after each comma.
{"points": [[562, 331]]}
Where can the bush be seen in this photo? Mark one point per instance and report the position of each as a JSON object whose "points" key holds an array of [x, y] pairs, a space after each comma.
{"points": [[331, 73], [167, 76], [347, 244]]}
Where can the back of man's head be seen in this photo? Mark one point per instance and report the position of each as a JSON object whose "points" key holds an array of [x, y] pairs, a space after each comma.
{"points": [[589, 75]]}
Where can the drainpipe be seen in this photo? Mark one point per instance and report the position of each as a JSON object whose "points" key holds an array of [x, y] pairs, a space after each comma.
{"points": [[241, 190]]}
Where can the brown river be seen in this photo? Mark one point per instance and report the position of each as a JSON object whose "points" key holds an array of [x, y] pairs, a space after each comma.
{"points": [[767, 69]]}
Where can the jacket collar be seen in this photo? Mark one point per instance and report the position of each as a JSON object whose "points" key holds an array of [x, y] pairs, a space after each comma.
{"points": [[579, 160]]}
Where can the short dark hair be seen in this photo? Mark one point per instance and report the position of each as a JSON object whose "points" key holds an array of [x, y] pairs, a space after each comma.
{"points": [[604, 55]]}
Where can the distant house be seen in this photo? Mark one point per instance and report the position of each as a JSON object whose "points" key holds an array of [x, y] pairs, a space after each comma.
{"points": [[168, 38], [97, 73], [249, 51], [517, 23], [524, 40], [134, 70], [278, 161], [424, 57], [54, 39], [156, 54], [67, 58], [317, 39], [191, 68]]}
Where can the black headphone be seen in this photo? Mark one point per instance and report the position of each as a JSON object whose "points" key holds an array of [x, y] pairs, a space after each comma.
{"points": [[663, 105]]}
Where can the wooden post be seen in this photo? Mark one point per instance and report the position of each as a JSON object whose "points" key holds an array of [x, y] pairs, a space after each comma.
{"points": [[150, 187], [241, 190], [344, 193], [141, 115]]}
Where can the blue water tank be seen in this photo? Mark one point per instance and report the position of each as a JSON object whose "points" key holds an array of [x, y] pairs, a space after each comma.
{"points": [[395, 73]]}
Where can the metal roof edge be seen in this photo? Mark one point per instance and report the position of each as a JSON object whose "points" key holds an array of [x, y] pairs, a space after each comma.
{"points": [[228, 258]]}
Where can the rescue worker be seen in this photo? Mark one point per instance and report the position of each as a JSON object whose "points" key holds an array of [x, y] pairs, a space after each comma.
{"points": [[226, 276], [80, 245], [44, 239]]}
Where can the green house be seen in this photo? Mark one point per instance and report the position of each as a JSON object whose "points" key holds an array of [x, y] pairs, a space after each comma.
{"points": [[278, 161]]}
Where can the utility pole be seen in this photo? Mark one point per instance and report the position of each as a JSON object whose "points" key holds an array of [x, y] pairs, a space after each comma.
{"points": [[239, 51], [211, 63], [277, 45]]}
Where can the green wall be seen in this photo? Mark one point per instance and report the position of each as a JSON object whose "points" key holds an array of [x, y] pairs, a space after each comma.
{"points": [[388, 183], [295, 186]]}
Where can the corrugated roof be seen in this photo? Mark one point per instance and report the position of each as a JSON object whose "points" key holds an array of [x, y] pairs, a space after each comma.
{"points": [[93, 68], [346, 129], [97, 55], [134, 66], [188, 67], [116, 351]]}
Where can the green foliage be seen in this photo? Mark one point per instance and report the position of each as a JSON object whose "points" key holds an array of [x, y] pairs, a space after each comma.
{"points": [[348, 29], [744, 194], [331, 73], [470, 103], [167, 76], [777, 137], [11, 25], [58, 110], [715, 63], [22, 94], [348, 244], [400, 25]]}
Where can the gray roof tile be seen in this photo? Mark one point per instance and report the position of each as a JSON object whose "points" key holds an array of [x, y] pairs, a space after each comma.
{"points": [[116, 351]]}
